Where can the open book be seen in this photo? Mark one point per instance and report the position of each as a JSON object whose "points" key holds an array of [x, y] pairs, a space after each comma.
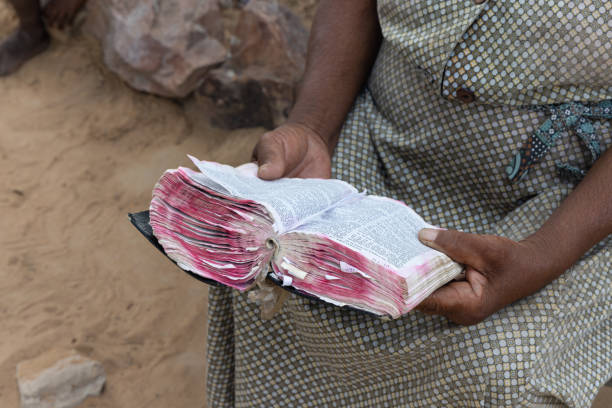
{"points": [[323, 238]]}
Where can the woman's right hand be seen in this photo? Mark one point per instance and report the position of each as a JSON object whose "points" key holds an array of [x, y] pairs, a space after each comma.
{"points": [[344, 41], [292, 150]]}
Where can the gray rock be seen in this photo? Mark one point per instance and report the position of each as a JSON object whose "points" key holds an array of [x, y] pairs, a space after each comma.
{"points": [[255, 87], [161, 47], [59, 379], [244, 58]]}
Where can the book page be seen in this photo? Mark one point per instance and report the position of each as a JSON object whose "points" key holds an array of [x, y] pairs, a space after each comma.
{"points": [[380, 228], [290, 200]]}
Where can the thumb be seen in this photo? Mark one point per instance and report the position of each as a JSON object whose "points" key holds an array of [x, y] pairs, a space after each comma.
{"points": [[462, 247], [270, 155], [430, 305]]}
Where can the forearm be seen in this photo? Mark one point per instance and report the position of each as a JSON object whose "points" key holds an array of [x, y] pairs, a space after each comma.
{"points": [[343, 45], [581, 221]]}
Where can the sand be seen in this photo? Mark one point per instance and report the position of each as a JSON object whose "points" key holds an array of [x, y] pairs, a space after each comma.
{"points": [[78, 151]]}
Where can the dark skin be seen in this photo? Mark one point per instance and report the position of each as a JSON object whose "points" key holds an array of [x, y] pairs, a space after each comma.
{"points": [[335, 72], [344, 42], [31, 38]]}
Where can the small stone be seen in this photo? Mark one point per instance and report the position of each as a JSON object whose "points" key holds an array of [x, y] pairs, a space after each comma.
{"points": [[59, 379]]}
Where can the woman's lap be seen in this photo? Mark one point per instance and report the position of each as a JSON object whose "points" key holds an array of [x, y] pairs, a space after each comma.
{"points": [[550, 347]]}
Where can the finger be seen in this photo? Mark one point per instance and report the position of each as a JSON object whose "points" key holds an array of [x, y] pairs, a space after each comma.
{"points": [[441, 302], [431, 305], [456, 301], [270, 154], [462, 247]]}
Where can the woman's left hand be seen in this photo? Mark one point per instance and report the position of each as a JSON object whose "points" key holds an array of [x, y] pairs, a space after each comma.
{"points": [[498, 272]]}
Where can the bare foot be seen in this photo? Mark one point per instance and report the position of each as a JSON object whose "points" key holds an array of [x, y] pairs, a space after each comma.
{"points": [[21, 46], [60, 13]]}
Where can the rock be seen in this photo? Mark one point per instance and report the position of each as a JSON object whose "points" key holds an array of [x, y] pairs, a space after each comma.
{"points": [[255, 87], [59, 379], [270, 36], [306, 9], [161, 47], [244, 57], [247, 99]]}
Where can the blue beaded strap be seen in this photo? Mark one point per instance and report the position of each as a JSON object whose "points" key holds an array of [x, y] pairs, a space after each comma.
{"points": [[563, 118]]}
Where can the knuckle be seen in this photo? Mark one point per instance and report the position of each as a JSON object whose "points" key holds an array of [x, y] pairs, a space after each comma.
{"points": [[269, 138]]}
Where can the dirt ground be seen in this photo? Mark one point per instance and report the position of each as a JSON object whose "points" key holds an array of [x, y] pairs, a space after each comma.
{"points": [[78, 151]]}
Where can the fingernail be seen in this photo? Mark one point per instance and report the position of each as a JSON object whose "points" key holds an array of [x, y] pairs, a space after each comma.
{"points": [[428, 235], [264, 168], [267, 172]]}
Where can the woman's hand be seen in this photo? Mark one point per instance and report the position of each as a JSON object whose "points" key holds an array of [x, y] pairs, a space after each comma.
{"points": [[498, 272], [292, 150], [343, 45]]}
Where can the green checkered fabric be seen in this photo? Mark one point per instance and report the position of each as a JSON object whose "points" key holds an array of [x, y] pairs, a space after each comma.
{"points": [[408, 138]]}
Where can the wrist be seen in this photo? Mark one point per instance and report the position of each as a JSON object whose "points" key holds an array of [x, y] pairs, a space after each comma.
{"points": [[312, 127], [322, 121], [312, 121], [548, 256]]}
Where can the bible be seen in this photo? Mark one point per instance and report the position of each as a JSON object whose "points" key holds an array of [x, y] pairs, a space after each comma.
{"points": [[318, 237]]}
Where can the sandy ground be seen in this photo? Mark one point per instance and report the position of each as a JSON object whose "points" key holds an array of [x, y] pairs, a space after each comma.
{"points": [[78, 151]]}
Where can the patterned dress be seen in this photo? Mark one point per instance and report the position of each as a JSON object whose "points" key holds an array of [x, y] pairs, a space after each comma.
{"points": [[461, 120]]}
